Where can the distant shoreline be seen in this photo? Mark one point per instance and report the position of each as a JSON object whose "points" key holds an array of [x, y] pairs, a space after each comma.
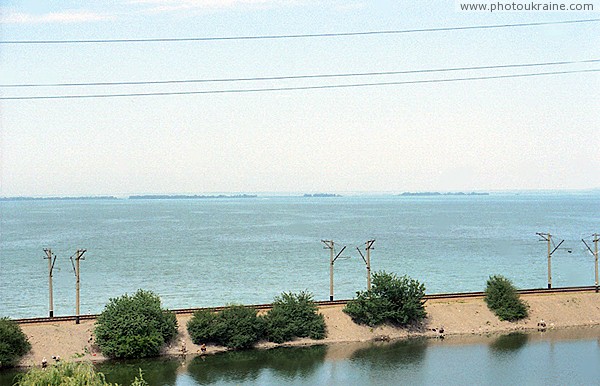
{"points": [[135, 197], [188, 197], [158, 197], [428, 194], [322, 195], [301, 195], [79, 198]]}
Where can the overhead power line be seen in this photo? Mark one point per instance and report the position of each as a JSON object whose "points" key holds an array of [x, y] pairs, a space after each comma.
{"points": [[296, 36], [318, 87], [310, 76]]}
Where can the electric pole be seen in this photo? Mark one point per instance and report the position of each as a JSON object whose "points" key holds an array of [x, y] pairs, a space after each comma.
{"points": [[367, 260], [51, 260], [595, 238], [548, 237], [329, 244], [78, 257]]}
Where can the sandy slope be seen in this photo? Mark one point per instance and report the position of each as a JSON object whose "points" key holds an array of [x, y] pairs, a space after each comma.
{"points": [[465, 316]]}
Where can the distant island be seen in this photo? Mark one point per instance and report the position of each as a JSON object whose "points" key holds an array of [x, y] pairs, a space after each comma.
{"points": [[428, 194], [187, 197], [58, 198], [322, 195]]}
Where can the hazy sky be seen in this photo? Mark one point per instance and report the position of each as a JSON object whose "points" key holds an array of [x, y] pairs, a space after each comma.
{"points": [[538, 132]]}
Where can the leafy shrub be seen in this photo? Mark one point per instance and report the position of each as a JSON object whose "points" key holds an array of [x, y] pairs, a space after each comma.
{"points": [[503, 299], [294, 315], [134, 326], [239, 327], [13, 343], [69, 374], [202, 326], [368, 308], [392, 299], [236, 327]]}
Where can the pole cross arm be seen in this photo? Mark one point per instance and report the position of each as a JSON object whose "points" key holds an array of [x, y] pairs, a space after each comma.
{"points": [[328, 244], [588, 247], [339, 253], [361, 255], [555, 248], [52, 267], [73, 264]]}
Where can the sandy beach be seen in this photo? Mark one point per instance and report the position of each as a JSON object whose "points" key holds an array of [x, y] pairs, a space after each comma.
{"points": [[460, 317]]}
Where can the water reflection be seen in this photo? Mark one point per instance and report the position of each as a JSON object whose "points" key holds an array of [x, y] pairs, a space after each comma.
{"points": [[383, 356], [7, 376], [157, 372], [247, 366], [555, 357], [509, 343]]}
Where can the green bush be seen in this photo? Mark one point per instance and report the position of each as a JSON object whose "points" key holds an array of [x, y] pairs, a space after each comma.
{"points": [[236, 327], [294, 316], [13, 343], [239, 327], [134, 326], [202, 326], [503, 299], [391, 299], [69, 374]]}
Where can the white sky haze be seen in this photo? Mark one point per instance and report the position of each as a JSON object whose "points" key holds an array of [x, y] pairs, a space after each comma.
{"points": [[537, 132]]}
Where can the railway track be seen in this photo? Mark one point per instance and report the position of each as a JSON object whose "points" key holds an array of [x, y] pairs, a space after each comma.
{"points": [[449, 296]]}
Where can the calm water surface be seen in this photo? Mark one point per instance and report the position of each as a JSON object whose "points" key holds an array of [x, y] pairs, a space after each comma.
{"points": [[214, 252], [517, 359]]}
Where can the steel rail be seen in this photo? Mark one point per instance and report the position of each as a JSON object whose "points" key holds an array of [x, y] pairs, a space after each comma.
{"points": [[321, 303]]}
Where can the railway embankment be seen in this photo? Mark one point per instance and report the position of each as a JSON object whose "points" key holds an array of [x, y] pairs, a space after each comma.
{"points": [[452, 314]]}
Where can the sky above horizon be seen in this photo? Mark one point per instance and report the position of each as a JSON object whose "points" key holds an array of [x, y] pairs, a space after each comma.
{"points": [[537, 132]]}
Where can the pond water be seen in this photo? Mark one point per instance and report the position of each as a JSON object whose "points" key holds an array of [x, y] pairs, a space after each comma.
{"points": [[552, 358]]}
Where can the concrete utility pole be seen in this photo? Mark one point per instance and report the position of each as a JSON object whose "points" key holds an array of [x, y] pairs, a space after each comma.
{"points": [[78, 257], [595, 239], [329, 244], [51, 262], [367, 260], [548, 237]]}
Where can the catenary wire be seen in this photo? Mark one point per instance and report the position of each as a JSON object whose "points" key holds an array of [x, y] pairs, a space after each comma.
{"points": [[310, 76], [296, 36], [319, 87]]}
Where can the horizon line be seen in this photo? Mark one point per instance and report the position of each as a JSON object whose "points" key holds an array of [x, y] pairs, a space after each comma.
{"points": [[297, 193]]}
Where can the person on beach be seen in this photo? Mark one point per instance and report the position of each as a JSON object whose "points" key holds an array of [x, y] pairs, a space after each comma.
{"points": [[203, 348], [44, 363], [541, 325]]}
